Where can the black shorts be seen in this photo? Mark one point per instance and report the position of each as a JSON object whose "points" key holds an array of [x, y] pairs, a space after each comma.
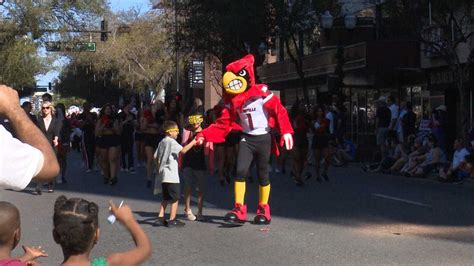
{"points": [[107, 141], [139, 136], [171, 191], [152, 140], [232, 139]]}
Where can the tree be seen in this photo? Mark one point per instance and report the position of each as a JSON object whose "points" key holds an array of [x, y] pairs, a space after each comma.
{"points": [[26, 23], [136, 57], [218, 29], [442, 37], [296, 20], [20, 63]]}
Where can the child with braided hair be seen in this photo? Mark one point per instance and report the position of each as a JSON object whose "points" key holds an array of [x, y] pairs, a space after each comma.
{"points": [[76, 230]]}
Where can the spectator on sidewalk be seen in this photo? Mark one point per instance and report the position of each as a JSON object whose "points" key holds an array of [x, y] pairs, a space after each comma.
{"points": [[408, 121], [454, 171], [406, 148], [438, 125], [28, 157], [394, 114], [394, 152], [10, 234], [382, 123], [430, 161], [346, 151], [76, 230]]}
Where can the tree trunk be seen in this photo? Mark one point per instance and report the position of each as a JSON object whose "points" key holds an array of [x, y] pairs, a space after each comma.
{"points": [[298, 62]]}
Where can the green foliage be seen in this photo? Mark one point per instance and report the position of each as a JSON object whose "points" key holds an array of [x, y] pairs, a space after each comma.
{"points": [[137, 56], [36, 19], [20, 63], [226, 29]]}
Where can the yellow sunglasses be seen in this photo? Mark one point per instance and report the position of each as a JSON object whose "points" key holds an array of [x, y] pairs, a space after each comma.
{"points": [[175, 129], [195, 119]]}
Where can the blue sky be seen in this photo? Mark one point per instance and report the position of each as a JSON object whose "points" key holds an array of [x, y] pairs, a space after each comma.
{"points": [[116, 5]]}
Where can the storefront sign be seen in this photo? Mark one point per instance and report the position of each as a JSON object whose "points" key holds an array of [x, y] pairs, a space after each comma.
{"points": [[444, 78], [424, 125]]}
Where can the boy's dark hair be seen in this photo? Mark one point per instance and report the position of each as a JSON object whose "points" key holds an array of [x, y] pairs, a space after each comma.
{"points": [[168, 124], [75, 223], [9, 221], [46, 97]]}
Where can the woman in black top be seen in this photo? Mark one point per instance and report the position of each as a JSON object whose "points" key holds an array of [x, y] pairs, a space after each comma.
{"points": [[107, 131], [128, 122], [64, 139], [50, 126], [150, 124]]}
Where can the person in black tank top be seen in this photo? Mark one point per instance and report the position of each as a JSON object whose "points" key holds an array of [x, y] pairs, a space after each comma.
{"points": [[194, 169]]}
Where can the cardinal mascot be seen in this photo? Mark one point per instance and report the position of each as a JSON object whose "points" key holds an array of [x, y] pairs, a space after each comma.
{"points": [[255, 110]]}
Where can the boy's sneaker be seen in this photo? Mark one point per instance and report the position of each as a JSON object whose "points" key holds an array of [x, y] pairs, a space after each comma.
{"points": [[175, 223], [122, 169], [131, 170], [189, 215], [160, 221]]}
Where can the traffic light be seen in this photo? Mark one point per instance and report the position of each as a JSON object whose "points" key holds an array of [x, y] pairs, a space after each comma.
{"points": [[103, 30]]}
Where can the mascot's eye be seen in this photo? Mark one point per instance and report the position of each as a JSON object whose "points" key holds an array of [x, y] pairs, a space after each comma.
{"points": [[242, 73]]}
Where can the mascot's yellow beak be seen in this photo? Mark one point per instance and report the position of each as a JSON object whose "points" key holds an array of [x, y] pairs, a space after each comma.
{"points": [[234, 84]]}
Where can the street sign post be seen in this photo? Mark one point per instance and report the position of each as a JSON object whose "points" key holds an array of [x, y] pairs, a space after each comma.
{"points": [[70, 46], [196, 74]]}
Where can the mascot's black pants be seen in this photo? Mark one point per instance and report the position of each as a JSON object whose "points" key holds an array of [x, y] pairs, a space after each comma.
{"points": [[256, 148]]}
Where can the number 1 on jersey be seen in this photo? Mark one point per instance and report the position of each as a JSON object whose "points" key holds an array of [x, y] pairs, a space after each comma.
{"points": [[249, 117]]}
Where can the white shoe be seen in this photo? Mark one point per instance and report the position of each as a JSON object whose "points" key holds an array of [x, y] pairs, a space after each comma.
{"points": [[190, 216], [277, 171]]}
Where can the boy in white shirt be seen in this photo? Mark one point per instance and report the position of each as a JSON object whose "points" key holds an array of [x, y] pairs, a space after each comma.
{"points": [[167, 179]]}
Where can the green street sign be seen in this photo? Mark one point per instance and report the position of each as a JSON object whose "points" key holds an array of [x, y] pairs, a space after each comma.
{"points": [[70, 46]]}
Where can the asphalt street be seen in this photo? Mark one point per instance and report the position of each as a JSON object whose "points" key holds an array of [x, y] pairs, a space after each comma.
{"points": [[356, 218]]}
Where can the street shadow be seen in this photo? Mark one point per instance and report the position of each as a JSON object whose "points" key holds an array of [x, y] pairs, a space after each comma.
{"points": [[349, 199]]}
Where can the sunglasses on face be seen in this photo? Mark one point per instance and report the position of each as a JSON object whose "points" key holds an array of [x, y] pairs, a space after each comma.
{"points": [[44, 108]]}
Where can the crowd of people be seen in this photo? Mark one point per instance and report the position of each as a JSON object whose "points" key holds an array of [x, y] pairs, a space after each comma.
{"points": [[411, 152], [119, 138]]}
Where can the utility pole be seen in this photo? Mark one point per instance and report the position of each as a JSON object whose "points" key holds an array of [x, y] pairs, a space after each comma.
{"points": [[176, 43]]}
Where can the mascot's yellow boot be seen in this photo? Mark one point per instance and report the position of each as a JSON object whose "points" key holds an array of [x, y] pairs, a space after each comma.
{"points": [[239, 214], [263, 212]]}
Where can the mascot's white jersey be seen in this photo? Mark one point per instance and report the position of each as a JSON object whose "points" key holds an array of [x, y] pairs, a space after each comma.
{"points": [[254, 117]]}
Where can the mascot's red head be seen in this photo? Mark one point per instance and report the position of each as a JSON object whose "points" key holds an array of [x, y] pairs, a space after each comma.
{"points": [[239, 76]]}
